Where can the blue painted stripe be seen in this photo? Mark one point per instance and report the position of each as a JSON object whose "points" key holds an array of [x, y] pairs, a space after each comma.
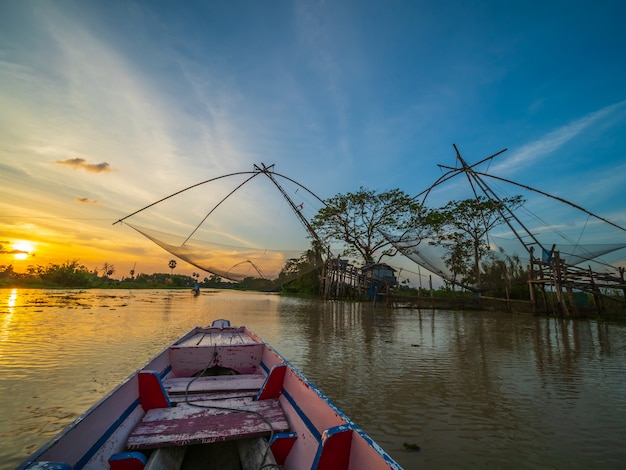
{"points": [[166, 371], [305, 419], [109, 432], [341, 414], [312, 429], [329, 433]]}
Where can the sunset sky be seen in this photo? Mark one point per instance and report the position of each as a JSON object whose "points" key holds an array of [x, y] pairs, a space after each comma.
{"points": [[106, 107]]}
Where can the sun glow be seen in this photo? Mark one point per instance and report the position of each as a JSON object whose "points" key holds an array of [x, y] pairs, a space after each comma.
{"points": [[22, 249]]}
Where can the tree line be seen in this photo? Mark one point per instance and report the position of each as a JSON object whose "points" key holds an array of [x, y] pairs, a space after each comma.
{"points": [[364, 223], [73, 274], [359, 223]]}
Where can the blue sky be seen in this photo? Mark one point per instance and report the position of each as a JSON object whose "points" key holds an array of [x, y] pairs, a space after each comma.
{"points": [[106, 107]]}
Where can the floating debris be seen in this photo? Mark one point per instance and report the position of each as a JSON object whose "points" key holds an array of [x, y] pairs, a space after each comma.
{"points": [[411, 447]]}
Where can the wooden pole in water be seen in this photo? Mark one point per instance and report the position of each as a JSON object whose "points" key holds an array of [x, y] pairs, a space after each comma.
{"points": [[572, 302], [531, 275], [597, 298], [557, 268]]}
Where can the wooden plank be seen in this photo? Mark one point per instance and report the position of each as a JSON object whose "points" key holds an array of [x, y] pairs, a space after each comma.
{"points": [[166, 458], [189, 360], [214, 383], [255, 453], [186, 424], [218, 337], [211, 396]]}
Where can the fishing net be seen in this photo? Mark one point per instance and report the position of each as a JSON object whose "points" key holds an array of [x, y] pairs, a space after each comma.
{"points": [[431, 255], [522, 227], [230, 262], [239, 226]]}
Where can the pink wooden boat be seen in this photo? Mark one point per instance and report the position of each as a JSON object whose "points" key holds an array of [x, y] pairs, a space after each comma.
{"points": [[219, 397]]}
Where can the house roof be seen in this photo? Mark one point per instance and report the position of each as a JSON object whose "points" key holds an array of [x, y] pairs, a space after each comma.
{"points": [[369, 267]]}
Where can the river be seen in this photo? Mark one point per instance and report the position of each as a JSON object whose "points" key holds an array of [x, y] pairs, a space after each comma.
{"points": [[471, 389]]}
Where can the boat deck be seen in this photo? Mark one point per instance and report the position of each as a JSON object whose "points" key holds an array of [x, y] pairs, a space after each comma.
{"points": [[231, 348], [218, 398], [199, 416], [207, 422], [231, 336]]}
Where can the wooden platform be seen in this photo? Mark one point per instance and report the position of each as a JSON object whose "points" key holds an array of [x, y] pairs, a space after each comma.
{"points": [[226, 337], [185, 424], [220, 383]]}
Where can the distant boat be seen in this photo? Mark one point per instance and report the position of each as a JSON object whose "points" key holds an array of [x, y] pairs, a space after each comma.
{"points": [[217, 395]]}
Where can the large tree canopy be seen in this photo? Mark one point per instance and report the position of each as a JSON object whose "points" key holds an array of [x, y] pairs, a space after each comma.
{"points": [[462, 227], [360, 220]]}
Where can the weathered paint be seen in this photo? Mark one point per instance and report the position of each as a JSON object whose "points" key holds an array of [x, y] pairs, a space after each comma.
{"points": [[189, 360], [178, 385], [186, 425], [306, 415], [333, 452]]}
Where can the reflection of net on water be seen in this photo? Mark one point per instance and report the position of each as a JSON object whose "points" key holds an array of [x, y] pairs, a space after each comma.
{"points": [[229, 262]]}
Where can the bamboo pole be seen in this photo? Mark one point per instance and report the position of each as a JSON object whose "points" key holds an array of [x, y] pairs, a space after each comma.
{"points": [[597, 297], [557, 269]]}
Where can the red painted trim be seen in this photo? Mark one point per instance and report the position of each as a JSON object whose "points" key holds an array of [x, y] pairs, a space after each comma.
{"points": [[151, 392], [281, 445], [127, 461], [334, 452], [273, 385]]}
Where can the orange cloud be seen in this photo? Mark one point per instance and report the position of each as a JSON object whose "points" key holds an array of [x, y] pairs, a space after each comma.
{"points": [[81, 163]]}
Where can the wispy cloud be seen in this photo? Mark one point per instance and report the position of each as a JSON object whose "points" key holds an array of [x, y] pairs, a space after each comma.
{"points": [[530, 153], [81, 164]]}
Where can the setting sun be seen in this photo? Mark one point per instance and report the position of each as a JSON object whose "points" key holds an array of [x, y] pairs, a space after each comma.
{"points": [[22, 249]]}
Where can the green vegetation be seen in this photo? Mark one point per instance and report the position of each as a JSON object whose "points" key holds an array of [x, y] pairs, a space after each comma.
{"points": [[462, 229], [72, 274], [358, 222]]}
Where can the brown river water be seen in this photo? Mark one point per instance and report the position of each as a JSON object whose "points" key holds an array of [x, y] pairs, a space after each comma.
{"points": [[471, 389]]}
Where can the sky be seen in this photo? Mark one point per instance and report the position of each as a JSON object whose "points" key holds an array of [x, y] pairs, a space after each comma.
{"points": [[107, 107]]}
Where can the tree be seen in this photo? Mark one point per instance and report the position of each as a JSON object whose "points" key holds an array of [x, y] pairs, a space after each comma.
{"points": [[302, 274], [462, 227], [172, 265], [7, 271], [360, 221], [68, 274], [504, 275], [108, 269]]}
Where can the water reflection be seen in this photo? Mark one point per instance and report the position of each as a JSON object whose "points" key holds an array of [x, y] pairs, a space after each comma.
{"points": [[7, 320], [471, 389]]}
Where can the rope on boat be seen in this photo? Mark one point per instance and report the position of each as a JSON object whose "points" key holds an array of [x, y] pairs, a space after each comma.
{"points": [[234, 410]]}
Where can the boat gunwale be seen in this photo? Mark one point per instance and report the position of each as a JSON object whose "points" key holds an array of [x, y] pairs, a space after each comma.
{"points": [[97, 444]]}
